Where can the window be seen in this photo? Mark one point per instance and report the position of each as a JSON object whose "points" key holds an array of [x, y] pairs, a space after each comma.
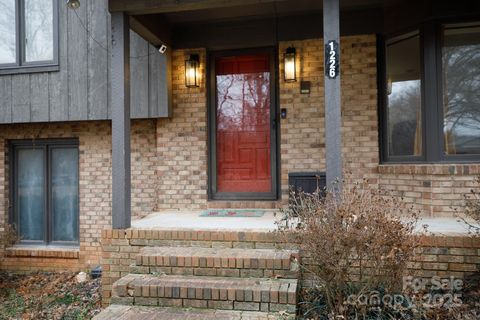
{"points": [[461, 88], [431, 105], [44, 198], [404, 99], [28, 35]]}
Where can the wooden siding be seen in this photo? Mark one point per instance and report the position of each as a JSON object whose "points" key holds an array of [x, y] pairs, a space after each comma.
{"points": [[80, 90]]}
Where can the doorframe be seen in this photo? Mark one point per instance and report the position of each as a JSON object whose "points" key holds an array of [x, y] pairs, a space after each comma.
{"points": [[213, 194]]}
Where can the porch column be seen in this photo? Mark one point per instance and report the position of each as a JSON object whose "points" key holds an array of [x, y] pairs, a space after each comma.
{"points": [[333, 117], [120, 91]]}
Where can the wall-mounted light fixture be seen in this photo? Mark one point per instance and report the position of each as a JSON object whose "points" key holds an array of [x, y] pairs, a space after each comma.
{"points": [[73, 4], [289, 64], [191, 71]]}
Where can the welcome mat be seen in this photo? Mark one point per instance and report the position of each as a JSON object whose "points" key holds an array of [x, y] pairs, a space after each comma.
{"points": [[237, 213]]}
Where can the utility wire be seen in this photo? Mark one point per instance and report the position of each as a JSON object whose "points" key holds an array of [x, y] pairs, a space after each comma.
{"points": [[88, 32], [276, 22], [100, 44]]}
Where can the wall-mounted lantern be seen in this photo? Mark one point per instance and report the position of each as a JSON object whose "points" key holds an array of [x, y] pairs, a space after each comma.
{"points": [[289, 63], [191, 71], [73, 4]]}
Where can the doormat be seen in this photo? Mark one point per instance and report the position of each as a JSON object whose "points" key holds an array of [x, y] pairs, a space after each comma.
{"points": [[236, 213]]}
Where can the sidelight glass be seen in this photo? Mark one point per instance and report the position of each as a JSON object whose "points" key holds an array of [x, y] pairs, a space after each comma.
{"points": [[39, 33], [64, 193], [8, 51], [404, 98], [461, 88], [31, 193]]}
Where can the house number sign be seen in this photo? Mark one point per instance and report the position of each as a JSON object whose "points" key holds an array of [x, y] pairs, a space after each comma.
{"points": [[332, 61]]}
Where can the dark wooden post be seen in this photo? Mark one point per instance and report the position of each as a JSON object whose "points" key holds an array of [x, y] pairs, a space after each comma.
{"points": [[120, 90], [333, 117]]}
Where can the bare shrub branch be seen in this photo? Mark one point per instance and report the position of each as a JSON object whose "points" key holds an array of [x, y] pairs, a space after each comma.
{"points": [[472, 210], [361, 237]]}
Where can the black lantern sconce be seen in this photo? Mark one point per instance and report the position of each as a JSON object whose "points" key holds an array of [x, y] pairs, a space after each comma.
{"points": [[289, 65], [191, 71]]}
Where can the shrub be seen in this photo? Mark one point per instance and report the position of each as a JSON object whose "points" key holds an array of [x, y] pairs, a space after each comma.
{"points": [[354, 242], [9, 236], [472, 210], [471, 218]]}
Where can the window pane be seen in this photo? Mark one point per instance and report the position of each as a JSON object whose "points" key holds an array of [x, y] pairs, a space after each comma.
{"points": [[31, 193], [461, 88], [404, 100], [7, 32], [64, 166], [38, 30]]}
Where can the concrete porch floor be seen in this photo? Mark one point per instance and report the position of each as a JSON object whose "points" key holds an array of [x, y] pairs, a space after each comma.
{"points": [[184, 219]]}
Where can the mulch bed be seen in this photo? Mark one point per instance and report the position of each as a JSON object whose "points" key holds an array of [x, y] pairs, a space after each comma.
{"points": [[48, 296]]}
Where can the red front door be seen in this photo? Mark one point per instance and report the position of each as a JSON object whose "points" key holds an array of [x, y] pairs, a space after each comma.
{"points": [[243, 124]]}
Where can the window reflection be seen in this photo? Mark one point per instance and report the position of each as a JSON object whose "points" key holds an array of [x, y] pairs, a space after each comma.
{"points": [[243, 124], [46, 190], [7, 32], [64, 180], [461, 88], [240, 96], [38, 30], [31, 193], [404, 101]]}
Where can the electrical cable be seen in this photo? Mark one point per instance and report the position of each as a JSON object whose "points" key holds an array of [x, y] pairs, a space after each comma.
{"points": [[89, 34]]}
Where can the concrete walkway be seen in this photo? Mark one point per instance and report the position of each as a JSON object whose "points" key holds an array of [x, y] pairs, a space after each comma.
{"points": [[192, 220], [119, 312]]}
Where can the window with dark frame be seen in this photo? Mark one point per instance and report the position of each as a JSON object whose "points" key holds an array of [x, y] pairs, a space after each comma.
{"points": [[461, 88], [404, 98], [45, 191], [431, 95], [28, 35]]}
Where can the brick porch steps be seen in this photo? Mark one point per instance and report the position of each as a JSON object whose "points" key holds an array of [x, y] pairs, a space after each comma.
{"points": [[120, 312], [195, 274], [200, 238], [223, 262], [244, 294]]}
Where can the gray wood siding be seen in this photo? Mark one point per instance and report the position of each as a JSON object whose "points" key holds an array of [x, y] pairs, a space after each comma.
{"points": [[80, 90]]}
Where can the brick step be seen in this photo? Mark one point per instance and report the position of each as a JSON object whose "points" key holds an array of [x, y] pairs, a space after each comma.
{"points": [[244, 294], [222, 262], [200, 238], [166, 313]]}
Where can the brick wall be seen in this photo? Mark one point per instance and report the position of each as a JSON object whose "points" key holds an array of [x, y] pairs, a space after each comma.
{"points": [[303, 132], [144, 166], [3, 197], [95, 187], [436, 256], [435, 190], [441, 256], [182, 142], [169, 156], [445, 256]]}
